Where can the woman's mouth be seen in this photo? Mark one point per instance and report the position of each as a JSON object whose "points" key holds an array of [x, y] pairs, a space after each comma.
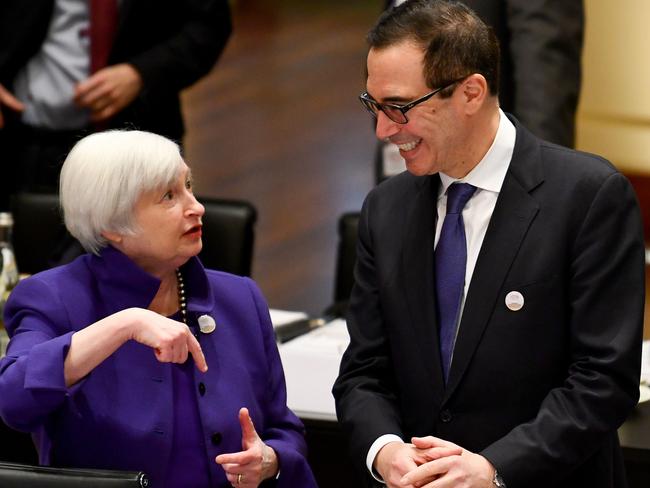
{"points": [[195, 231]]}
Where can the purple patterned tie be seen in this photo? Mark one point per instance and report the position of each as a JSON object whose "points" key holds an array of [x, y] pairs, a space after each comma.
{"points": [[451, 260]]}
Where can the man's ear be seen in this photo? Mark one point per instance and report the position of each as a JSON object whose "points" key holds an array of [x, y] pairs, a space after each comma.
{"points": [[474, 92], [112, 237]]}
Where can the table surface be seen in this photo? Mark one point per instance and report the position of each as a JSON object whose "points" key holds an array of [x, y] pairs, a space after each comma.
{"points": [[635, 432]]}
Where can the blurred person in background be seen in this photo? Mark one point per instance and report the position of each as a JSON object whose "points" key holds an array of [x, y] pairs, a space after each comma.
{"points": [[69, 67]]}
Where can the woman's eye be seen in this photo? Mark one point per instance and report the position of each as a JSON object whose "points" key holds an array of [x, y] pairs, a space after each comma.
{"points": [[168, 196], [188, 184]]}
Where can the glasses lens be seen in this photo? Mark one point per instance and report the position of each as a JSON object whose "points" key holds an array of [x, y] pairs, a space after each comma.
{"points": [[394, 114], [373, 107]]}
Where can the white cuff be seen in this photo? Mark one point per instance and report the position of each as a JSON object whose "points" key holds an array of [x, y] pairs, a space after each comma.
{"points": [[374, 449]]}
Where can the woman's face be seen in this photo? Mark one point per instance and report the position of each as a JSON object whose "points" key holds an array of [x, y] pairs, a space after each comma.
{"points": [[168, 224]]}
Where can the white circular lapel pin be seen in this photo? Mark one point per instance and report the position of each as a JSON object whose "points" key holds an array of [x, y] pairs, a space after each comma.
{"points": [[207, 324], [514, 301]]}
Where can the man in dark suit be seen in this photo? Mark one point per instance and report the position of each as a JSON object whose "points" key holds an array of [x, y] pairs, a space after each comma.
{"points": [[158, 49], [511, 354]]}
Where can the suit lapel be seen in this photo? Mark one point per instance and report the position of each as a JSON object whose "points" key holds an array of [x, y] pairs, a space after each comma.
{"points": [[514, 212], [418, 280]]}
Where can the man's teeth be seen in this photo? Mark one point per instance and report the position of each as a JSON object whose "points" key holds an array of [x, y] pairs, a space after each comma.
{"points": [[408, 145]]}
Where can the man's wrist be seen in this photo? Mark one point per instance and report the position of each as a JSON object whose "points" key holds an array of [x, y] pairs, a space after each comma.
{"points": [[374, 450]]}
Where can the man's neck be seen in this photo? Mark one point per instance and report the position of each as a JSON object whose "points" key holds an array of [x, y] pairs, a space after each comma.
{"points": [[482, 132]]}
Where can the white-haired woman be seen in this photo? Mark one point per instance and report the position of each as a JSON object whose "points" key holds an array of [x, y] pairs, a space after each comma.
{"points": [[98, 364]]}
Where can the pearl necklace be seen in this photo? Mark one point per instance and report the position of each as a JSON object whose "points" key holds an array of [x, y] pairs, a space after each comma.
{"points": [[182, 301]]}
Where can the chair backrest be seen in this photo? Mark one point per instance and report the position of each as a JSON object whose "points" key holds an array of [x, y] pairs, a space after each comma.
{"points": [[40, 238], [346, 257], [228, 235], [25, 476]]}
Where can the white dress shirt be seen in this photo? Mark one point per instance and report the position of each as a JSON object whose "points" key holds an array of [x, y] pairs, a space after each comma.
{"points": [[487, 176], [47, 82]]}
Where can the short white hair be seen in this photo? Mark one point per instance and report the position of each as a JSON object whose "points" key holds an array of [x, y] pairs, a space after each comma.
{"points": [[104, 176]]}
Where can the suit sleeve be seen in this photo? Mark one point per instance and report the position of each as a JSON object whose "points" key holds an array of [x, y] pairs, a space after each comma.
{"points": [[32, 382], [546, 40], [606, 307], [179, 61], [366, 404], [283, 431]]}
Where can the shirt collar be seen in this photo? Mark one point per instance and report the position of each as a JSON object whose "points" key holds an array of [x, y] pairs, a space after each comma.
{"points": [[490, 172]]}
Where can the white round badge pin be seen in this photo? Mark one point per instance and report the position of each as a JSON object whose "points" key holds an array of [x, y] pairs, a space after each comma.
{"points": [[514, 301], [207, 324]]}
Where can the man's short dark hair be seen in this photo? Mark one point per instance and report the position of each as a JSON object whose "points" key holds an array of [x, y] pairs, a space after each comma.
{"points": [[455, 41]]}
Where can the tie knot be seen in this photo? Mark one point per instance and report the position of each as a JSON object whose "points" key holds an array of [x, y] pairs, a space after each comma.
{"points": [[457, 196]]}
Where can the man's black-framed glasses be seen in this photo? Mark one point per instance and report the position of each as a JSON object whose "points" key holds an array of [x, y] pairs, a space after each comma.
{"points": [[395, 112]]}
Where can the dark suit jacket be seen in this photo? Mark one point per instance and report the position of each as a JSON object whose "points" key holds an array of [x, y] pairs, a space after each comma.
{"points": [[539, 392], [172, 43], [541, 46]]}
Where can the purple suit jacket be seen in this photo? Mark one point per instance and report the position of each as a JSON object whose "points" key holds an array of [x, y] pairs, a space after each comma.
{"points": [[120, 416]]}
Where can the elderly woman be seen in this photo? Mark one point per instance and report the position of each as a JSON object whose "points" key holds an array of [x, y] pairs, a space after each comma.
{"points": [[134, 356]]}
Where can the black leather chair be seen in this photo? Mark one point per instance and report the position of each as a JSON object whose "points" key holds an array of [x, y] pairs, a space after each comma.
{"points": [[24, 476], [16, 447], [228, 235], [346, 257], [40, 238]]}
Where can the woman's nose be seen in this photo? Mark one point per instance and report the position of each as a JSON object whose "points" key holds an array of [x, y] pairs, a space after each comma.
{"points": [[195, 207]]}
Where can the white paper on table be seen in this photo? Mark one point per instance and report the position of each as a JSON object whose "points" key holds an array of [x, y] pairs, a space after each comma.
{"points": [[281, 317], [645, 363], [311, 365], [644, 395]]}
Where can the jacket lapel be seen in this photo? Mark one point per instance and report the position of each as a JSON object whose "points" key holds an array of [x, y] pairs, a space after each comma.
{"points": [[418, 279], [514, 212]]}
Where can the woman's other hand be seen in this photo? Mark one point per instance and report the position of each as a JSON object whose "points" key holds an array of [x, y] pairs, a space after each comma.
{"points": [[255, 463]]}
